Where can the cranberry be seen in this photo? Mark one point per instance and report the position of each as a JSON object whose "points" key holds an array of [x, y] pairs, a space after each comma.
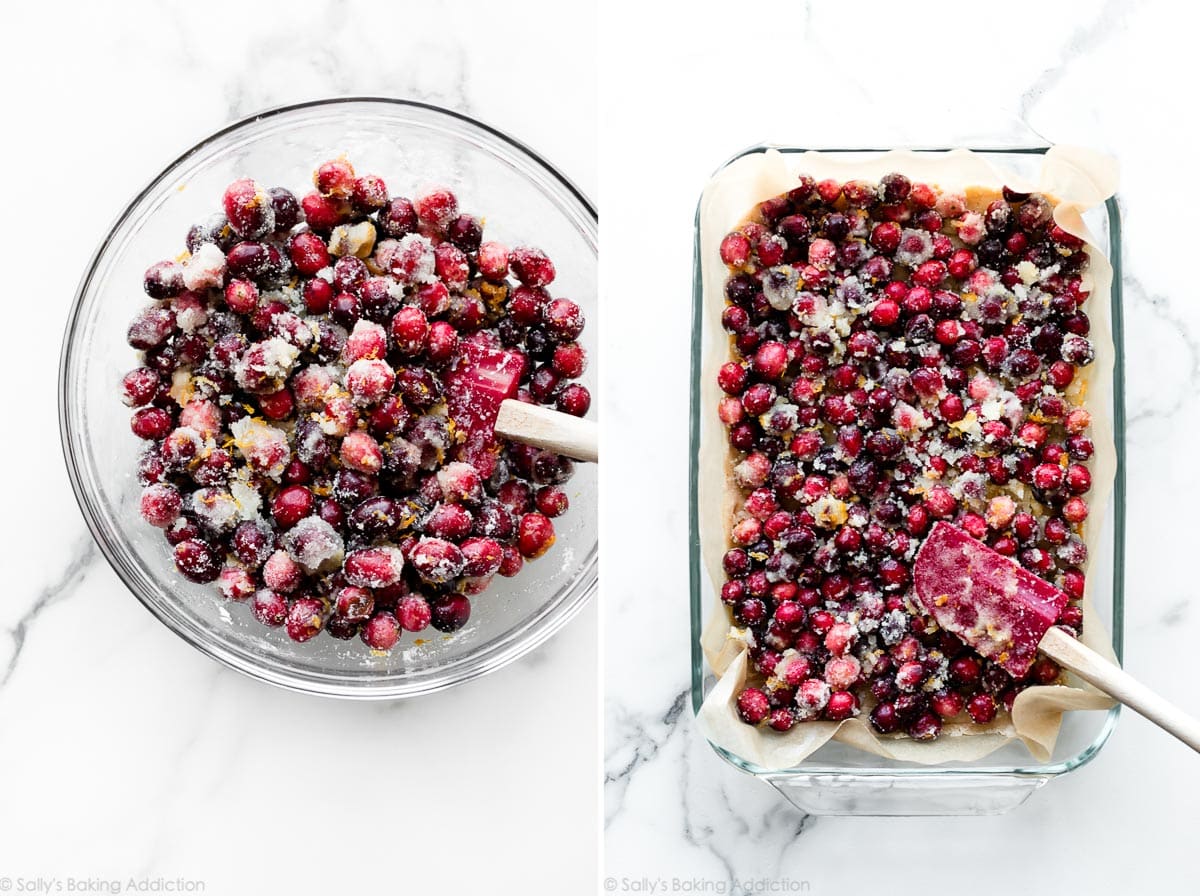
{"points": [[981, 708], [291, 504], [197, 561], [160, 505], [151, 423], [139, 386], [381, 631], [414, 613], [437, 207], [450, 613], [569, 360], [1044, 671], [249, 209], [164, 280], [1078, 479], [151, 328], [269, 608], [286, 207], [927, 726], [563, 319], [884, 718], [305, 618], [841, 705], [753, 706]]}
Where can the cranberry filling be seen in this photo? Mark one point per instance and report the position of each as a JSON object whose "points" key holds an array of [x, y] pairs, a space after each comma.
{"points": [[300, 451], [899, 355]]}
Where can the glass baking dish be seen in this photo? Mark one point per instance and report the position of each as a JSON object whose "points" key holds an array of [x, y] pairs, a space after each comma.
{"points": [[840, 780]]}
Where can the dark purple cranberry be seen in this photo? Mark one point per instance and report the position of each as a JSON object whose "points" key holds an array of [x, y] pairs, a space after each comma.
{"points": [[450, 613], [197, 561], [215, 230], [466, 233], [884, 718], [287, 208], [991, 252], [164, 280], [249, 261], [398, 218], [836, 226], [341, 628], [352, 487], [375, 517]]}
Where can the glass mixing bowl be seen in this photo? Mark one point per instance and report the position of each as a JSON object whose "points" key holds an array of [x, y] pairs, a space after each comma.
{"points": [[523, 198]]}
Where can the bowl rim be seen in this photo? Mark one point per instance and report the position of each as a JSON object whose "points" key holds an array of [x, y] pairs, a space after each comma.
{"points": [[579, 592]]}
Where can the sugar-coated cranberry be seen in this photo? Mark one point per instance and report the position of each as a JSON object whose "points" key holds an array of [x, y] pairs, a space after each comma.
{"points": [[305, 618], [269, 608], [164, 280], [564, 319], [981, 708], [926, 726], [841, 705], [884, 718], [308, 253], [197, 561], [248, 209], [381, 631]]}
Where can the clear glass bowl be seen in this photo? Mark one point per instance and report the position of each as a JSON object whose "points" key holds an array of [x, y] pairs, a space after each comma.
{"points": [[840, 780], [523, 198]]}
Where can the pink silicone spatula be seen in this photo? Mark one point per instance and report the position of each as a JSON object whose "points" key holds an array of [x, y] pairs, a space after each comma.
{"points": [[481, 391], [1007, 614]]}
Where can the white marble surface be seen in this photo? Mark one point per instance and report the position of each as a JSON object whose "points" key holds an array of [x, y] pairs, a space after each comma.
{"points": [[1114, 75], [125, 753]]}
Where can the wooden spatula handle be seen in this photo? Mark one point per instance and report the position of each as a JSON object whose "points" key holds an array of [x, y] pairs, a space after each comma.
{"points": [[1116, 682], [532, 424]]}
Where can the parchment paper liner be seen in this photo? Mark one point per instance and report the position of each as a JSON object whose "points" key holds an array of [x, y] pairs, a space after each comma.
{"points": [[1079, 179]]}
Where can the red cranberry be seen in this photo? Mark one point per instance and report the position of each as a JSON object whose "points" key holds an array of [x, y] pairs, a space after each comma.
{"points": [[965, 670], [323, 213], [381, 631], [947, 704], [981, 708], [305, 618], [753, 706], [160, 505], [139, 386], [563, 319], [291, 504], [335, 178], [308, 253], [269, 608], [884, 718], [841, 705], [436, 207], [248, 209], [197, 561], [574, 400], [569, 360], [1044, 671], [151, 423], [1078, 479]]}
